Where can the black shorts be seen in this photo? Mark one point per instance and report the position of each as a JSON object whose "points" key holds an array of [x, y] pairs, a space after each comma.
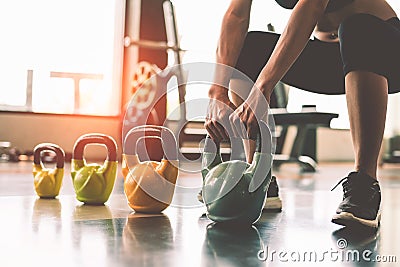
{"points": [[366, 43]]}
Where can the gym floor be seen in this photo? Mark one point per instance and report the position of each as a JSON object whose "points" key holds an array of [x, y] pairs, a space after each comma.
{"points": [[64, 232]]}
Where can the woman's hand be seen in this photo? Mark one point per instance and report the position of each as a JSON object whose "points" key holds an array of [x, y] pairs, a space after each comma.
{"points": [[244, 120], [219, 109]]}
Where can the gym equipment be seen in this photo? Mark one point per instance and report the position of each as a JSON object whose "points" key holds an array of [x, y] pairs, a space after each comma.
{"points": [[148, 87], [93, 183], [149, 185], [48, 181], [144, 72], [234, 191], [144, 93], [392, 155], [303, 149], [149, 83], [5, 151], [8, 153]]}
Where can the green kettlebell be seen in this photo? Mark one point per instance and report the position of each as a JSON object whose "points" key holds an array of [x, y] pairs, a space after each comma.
{"points": [[47, 181], [93, 183], [235, 191]]}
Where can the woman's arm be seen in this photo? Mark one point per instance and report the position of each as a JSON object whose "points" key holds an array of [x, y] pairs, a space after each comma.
{"points": [[294, 38], [234, 28], [235, 24]]}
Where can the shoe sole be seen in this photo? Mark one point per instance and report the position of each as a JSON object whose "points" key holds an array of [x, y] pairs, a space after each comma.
{"points": [[200, 198], [349, 220], [273, 204]]}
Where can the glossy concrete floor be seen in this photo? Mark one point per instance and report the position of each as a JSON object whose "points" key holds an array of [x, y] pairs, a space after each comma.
{"points": [[63, 232]]}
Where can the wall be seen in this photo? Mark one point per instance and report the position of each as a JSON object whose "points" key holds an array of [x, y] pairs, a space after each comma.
{"points": [[334, 145], [25, 131]]}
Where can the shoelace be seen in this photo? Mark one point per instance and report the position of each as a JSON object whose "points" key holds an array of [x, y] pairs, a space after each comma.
{"points": [[347, 188], [341, 181]]}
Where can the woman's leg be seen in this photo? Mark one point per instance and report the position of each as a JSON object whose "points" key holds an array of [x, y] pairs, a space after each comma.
{"points": [[369, 48], [366, 95]]}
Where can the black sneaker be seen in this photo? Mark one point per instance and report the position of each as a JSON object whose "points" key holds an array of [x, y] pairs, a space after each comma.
{"points": [[361, 201], [273, 202]]}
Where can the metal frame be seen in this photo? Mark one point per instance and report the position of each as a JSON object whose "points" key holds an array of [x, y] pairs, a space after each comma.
{"points": [[172, 44]]}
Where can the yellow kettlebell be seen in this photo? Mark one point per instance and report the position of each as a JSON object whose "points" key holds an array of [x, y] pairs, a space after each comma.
{"points": [[93, 183], [47, 181], [149, 185]]}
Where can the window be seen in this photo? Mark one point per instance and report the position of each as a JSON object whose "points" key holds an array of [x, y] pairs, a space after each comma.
{"points": [[198, 29], [199, 34], [61, 56]]}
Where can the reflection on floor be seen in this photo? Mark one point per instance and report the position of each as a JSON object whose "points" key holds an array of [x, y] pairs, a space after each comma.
{"points": [[63, 232]]}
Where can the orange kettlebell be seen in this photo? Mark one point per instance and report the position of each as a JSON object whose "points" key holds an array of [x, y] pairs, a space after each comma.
{"points": [[149, 185], [47, 181]]}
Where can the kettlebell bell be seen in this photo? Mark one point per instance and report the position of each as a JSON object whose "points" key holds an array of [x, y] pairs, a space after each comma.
{"points": [[47, 181], [235, 191], [93, 183], [149, 185]]}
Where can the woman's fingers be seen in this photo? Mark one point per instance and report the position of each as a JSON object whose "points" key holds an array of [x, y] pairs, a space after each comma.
{"points": [[244, 123], [217, 120], [253, 129], [238, 124], [216, 131], [223, 121], [211, 130], [218, 127]]}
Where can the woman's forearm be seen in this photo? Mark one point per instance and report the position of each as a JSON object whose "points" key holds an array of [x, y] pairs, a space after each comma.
{"points": [[234, 28], [294, 38]]}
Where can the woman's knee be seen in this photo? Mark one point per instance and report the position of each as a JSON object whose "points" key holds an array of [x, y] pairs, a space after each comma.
{"points": [[362, 43]]}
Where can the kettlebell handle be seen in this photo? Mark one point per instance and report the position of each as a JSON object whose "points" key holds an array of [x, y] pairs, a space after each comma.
{"points": [[60, 155], [137, 134], [164, 134], [144, 138], [103, 139]]}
